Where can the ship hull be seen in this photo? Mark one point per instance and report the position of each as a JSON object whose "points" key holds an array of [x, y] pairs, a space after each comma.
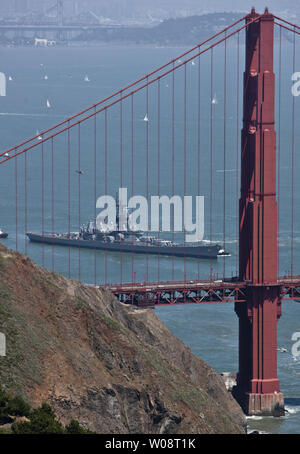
{"points": [[202, 252]]}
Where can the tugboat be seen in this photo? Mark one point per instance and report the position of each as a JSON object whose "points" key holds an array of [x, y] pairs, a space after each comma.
{"points": [[3, 234]]}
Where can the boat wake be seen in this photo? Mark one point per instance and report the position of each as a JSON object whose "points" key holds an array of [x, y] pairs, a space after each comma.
{"points": [[38, 115], [225, 170], [292, 410]]}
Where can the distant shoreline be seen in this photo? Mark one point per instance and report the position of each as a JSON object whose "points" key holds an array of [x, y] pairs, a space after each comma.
{"points": [[170, 32]]}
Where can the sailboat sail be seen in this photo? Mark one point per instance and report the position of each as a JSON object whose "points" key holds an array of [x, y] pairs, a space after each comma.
{"points": [[214, 100]]}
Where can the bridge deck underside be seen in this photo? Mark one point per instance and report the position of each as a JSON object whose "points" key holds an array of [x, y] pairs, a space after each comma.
{"points": [[195, 292]]}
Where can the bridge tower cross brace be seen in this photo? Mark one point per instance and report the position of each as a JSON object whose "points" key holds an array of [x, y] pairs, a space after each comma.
{"points": [[257, 387]]}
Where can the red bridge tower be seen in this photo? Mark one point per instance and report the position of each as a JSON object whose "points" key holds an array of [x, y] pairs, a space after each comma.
{"points": [[257, 383]]}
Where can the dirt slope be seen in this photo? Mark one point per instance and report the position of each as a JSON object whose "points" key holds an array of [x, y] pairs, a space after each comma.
{"points": [[115, 368]]}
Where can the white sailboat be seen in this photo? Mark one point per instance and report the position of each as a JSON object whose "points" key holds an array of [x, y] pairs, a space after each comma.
{"points": [[146, 117], [46, 77], [86, 78], [10, 78], [193, 63], [38, 134], [214, 100], [48, 104]]}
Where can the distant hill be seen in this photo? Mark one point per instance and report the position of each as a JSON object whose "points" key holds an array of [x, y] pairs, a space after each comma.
{"points": [[191, 29], [181, 31], [114, 368]]}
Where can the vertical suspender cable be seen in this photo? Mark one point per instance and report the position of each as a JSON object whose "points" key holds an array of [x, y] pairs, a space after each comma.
{"points": [[95, 197], [69, 201], [121, 180], [184, 160], [52, 199], [158, 167], [132, 183], [224, 153], [147, 171], [293, 161], [173, 162], [199, 141], [79, 201], [105, 179], [16, 196], [43, 207], [211, 160], [26, 200], [237, 151]]}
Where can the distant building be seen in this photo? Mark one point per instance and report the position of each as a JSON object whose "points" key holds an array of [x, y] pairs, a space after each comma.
{"points": [[44, 42]]}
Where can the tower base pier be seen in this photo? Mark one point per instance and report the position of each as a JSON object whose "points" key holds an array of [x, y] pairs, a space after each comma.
{"points": [[257, 389], [271, 404]]}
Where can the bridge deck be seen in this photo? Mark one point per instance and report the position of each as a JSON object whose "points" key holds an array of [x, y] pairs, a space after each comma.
{"points": [[195, 291]]}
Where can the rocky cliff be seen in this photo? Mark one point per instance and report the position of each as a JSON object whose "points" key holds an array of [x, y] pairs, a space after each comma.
{"points": [[114, 368]]}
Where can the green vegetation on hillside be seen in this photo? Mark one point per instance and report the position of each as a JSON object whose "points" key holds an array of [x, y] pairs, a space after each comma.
{"points": [[25, 420]]}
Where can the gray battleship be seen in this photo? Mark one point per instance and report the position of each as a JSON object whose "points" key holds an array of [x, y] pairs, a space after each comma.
{"points": [[94, 235], [127, 241]]}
